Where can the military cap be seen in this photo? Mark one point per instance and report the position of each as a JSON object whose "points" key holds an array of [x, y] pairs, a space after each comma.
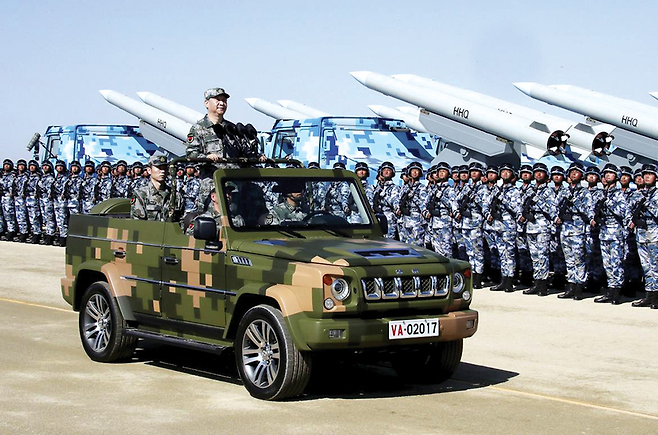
{"points": [[649, 168], [539, 166], [506, 166], [362, 165], [463, 169], [138, 165], [8, 162], [75, 163], [576, 166], [611, 167], [47, 163], [637, 173], [339, 165], [180, 166], [476, 166], [229, 187], [90, 164], [525, 168], [433, 169], [444, 165], [106, 164], [386, 165], [21, 162], [190, 165], [60, 163], [557, 170], [215, 92], [593, 170], [121, 163], [312, 165], [415, 165], [158, 159], [454, 169], [492, 169], [626, 170], [33, 162]]}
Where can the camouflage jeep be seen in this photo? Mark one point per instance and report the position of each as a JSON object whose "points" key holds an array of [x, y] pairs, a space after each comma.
{"points": [[275, 283]]}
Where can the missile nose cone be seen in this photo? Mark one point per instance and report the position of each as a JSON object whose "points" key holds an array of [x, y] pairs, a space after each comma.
{"points": [[251, 101], [524, 87], [361, 76], [143, 95], [105, 93]]}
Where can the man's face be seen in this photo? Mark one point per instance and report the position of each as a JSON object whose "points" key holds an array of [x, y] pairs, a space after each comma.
{"points": [[33, 168], [506, 175], [105, 170], [387, 173], [415, 173], [442, 174], [75, 169], [60, 169], [649, 178], [610, 177], [137, 171], [217, 105], [540, 176], [492, 177], [158, 173], [526, 176], [190, 171], [557, 178], [575, 175], [639, 180], [362, 174], [121, 169], [463, 176], [7, 167], [21, 168], [455, 176], [625, 180], [592, 179], [476, 175], [89, 169]]}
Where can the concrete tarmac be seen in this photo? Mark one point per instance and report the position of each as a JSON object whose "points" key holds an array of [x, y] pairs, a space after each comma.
{"points": [[536, 365]]}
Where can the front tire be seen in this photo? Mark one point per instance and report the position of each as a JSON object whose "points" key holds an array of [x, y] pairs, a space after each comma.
{"points": [[270, 365], [433, 363], [101, 326]]}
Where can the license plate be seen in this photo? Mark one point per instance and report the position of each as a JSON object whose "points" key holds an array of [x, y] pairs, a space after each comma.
{"points": [[398, 329]]}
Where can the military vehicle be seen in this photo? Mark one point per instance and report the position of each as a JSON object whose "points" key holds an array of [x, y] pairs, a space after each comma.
{"points": [[276, 284]]}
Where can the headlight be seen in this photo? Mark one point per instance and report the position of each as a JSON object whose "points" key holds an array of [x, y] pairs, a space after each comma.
{"points": [[457, 282], [339, 289]]}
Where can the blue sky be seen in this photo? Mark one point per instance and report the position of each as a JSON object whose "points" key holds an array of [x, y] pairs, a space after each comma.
{"points": [[57, 55]]}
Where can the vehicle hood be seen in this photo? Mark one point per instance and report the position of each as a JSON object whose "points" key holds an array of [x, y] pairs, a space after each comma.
{"points": [[341, 252]]}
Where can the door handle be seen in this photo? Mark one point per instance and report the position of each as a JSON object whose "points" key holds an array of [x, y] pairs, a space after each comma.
{"points": [[119, 253], [171, 260]]}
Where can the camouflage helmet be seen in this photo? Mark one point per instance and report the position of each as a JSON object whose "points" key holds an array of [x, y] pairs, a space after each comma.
{"points": [[649, 168], [593, 170], [415, 165], [106, 164], [557, 170], [61, 163], [158, 159], [463, 169], [626, 170], [433, 169], [75, 163], [612, 168], [443, 165], [491, 169], [476, 166], [540, 167], [138, 165], [505, 166], [33, 163], [8, 162], [122, 163], [215, 92], [386, 165], [454, 169], [339, 165], [576, 166], [525, 168], [637, 173], [362, 166], [21, 162], [47, 163], [190, 165], [90, 164], [313, 165]]}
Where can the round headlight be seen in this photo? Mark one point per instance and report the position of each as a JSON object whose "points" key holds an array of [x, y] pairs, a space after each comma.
{"points": [[329, 303], [457, 282], [466, 295], [339, 289]]}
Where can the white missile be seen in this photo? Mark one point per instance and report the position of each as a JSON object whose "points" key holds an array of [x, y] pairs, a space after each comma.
{"points": [[581, 135], [310, 112], [163, 121], [626, 118], [171, 107], [504, 125], [409, 119], [608, 99], [273, 110]]}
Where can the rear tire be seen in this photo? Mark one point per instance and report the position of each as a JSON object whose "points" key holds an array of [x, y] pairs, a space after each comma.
{"points": [[434, 363], [270, 365], [101, 326]]}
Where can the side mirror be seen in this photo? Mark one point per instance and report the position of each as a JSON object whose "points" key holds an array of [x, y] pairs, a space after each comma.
{"points": [[383, 222], [205, 228]]}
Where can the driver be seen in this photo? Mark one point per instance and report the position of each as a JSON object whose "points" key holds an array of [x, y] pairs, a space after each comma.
{"points": [[293, 207]]}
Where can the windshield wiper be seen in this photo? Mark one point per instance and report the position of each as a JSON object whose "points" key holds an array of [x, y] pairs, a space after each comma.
{"points": [[336, 232], [292, 233]]}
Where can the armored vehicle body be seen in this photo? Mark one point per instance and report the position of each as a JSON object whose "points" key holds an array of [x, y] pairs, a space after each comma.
{"points": [[273, 275]]}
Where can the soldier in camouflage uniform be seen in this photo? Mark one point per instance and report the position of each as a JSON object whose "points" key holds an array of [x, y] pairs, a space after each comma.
{"points": [[121, 182], [386, 197], [556, 254], [191, 185], [213, 211], [595, 272], [293, 207], [441, 206], [402, 234], [73, 189], [575, 211], [362, 171], [473, 207], [8, 209], [539, 212], [88, 187], [632, 267], [645, 225], [336, 198], [60, 202], [458, 237], [524, 262], [138, 179], [315, 194], [413, 201], [491, 255], [613, 219], [46, 202], [504, 212], [152, 202], [32, 201], [103, 190], [20, 184]]}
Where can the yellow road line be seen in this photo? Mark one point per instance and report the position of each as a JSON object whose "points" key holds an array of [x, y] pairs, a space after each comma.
{"points": [[568, 401], [15, 301]]}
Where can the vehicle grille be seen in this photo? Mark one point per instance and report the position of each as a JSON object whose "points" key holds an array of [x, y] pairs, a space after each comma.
{"points": [[405, 287]]}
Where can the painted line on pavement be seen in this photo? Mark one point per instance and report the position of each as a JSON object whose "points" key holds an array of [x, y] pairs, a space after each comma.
{"points": [[32, 304]]}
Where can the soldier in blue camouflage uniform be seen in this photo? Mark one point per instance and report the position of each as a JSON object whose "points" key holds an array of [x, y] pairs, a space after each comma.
{"points": [[20, 184], [524, 262], [491, 255], [73, 189], [191, 188], [595, 272], [386, 197], [473, 207], [103, 190], [504, 212], [632, 267], [441, 206], [121, 182], [316, 193], [401, 230], [459, 241], [88, 187], [413, 201], [612, 221], [46, 202], [32, 201], [558, 264], [362, 171], [539, 212], [335, 200], [60, 202], [430, 185], [8, 210], [138, 179], [645, 225], [575, 212]]}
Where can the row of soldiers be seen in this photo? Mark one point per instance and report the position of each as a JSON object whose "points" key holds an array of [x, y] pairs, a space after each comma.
{"points": [[588, 225], [37, 200]]}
